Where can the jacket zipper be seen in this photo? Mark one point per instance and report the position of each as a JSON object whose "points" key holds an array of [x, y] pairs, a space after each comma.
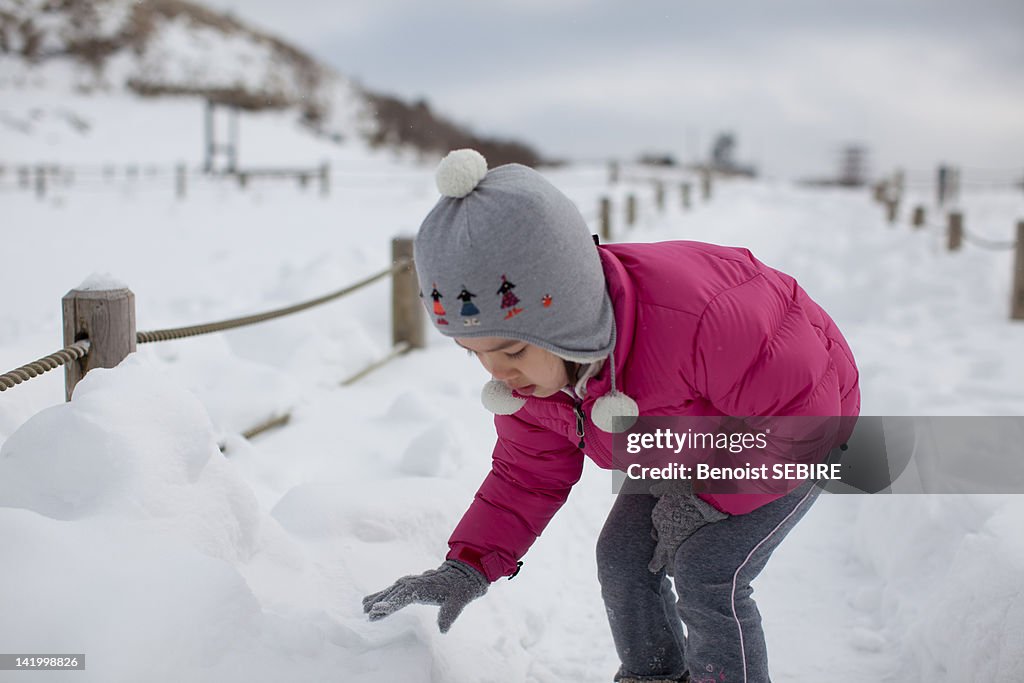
{"points": [[577, 408]]}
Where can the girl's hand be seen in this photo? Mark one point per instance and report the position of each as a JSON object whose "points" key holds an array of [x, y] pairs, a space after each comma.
{"points": [[453, 585], [676, 516]]}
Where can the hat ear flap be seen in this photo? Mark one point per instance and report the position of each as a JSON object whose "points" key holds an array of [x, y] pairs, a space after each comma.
{"points": [[498, 398]]}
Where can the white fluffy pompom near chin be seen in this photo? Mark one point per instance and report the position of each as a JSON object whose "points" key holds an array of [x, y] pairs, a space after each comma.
{"points": [[612, 405], [498, 398], [460, 172]]}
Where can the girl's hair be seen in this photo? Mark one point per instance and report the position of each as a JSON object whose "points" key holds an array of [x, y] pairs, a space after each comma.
{"points": [[572, 370]]}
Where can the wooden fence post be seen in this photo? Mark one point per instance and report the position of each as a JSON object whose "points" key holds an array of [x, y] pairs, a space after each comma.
{"points": [[40, 182], [956, 230], [606, 219], [942, 185], [705, 185], [630, 210], [325, 179], [613, 172], [918, 220], [881, 192], [107, 319], [892, 208], [1017, 306], [407, 318], [179, 181], [659, 195], [684, 190], [898, 178]]}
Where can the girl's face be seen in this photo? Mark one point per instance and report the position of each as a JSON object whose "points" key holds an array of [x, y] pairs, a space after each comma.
{"points": [[527, 369]]}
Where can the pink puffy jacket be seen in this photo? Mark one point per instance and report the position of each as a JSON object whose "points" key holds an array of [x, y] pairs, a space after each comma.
{"points": [[733, 336]]}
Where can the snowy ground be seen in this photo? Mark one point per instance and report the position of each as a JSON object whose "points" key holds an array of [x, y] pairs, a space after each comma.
{"points": [[129, 537]]}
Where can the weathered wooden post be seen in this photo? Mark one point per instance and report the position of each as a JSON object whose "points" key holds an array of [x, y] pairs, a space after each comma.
{"points": [[613, 172], [407, 319], [942, 185], [898, 178], [606, 219], [40, 182], [106, 317], [630, 210], [1017, 305], [325, 179], [956, 230], [243, 180], [892, 208], [659, 195], [303, 180], [180, 177], [918, 218], [881, 191], [684, 190], [705, 184]]}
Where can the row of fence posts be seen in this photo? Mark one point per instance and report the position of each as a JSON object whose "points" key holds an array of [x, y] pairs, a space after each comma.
{"points": [[41, 178], [889, 194], [660, 201]]}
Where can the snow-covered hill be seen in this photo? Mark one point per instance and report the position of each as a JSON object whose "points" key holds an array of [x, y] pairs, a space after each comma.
{"points": [[57, 59]]}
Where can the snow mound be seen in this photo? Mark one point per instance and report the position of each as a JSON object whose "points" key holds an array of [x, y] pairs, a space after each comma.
{"points": [[131, 445]]}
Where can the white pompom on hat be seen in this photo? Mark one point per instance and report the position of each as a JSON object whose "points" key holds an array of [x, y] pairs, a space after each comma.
{"points": [[612, 405], [460, 172], [499, 399]]}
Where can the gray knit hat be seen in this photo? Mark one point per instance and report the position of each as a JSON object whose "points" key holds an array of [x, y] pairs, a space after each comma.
{"points": [[504, 253]]}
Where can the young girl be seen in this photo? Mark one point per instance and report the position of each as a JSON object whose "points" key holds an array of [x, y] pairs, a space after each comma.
{"points": [[575, 334]]}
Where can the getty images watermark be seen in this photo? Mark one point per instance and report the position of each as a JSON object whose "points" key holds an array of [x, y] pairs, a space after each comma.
{"points": [[869, 454]]}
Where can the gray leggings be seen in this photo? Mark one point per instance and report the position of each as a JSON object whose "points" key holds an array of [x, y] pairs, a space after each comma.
{"points": [[724, 642]]}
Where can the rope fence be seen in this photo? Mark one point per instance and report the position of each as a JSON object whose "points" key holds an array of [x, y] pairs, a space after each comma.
{"points": [[56, 359], [985, 243], [889, 193], [208, 328], [102, 323], [43, 179]]}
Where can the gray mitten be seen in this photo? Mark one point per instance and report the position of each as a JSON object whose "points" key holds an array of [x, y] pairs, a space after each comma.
{"points": [[453, 585], [677, 514]]}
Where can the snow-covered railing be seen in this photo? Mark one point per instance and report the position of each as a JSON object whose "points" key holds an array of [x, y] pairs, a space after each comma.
{"points": [[99, 324]]}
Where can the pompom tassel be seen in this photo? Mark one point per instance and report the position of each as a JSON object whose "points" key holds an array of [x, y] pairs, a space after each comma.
{"points": [[460, 172], [498, 398], [611, 405]]}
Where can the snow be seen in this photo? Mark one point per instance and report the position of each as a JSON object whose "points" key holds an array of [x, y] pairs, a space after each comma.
{"points": [[139, 527], [101, 282]]}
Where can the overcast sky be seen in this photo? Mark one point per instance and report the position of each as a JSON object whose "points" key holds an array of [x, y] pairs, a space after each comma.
{"points": [[916, 81]]}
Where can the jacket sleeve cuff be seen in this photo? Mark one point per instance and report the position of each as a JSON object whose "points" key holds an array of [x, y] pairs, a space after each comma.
{"points": [[490, 564]]}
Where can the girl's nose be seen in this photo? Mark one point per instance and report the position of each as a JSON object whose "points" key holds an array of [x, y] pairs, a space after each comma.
{"points": [[501, 372]]}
